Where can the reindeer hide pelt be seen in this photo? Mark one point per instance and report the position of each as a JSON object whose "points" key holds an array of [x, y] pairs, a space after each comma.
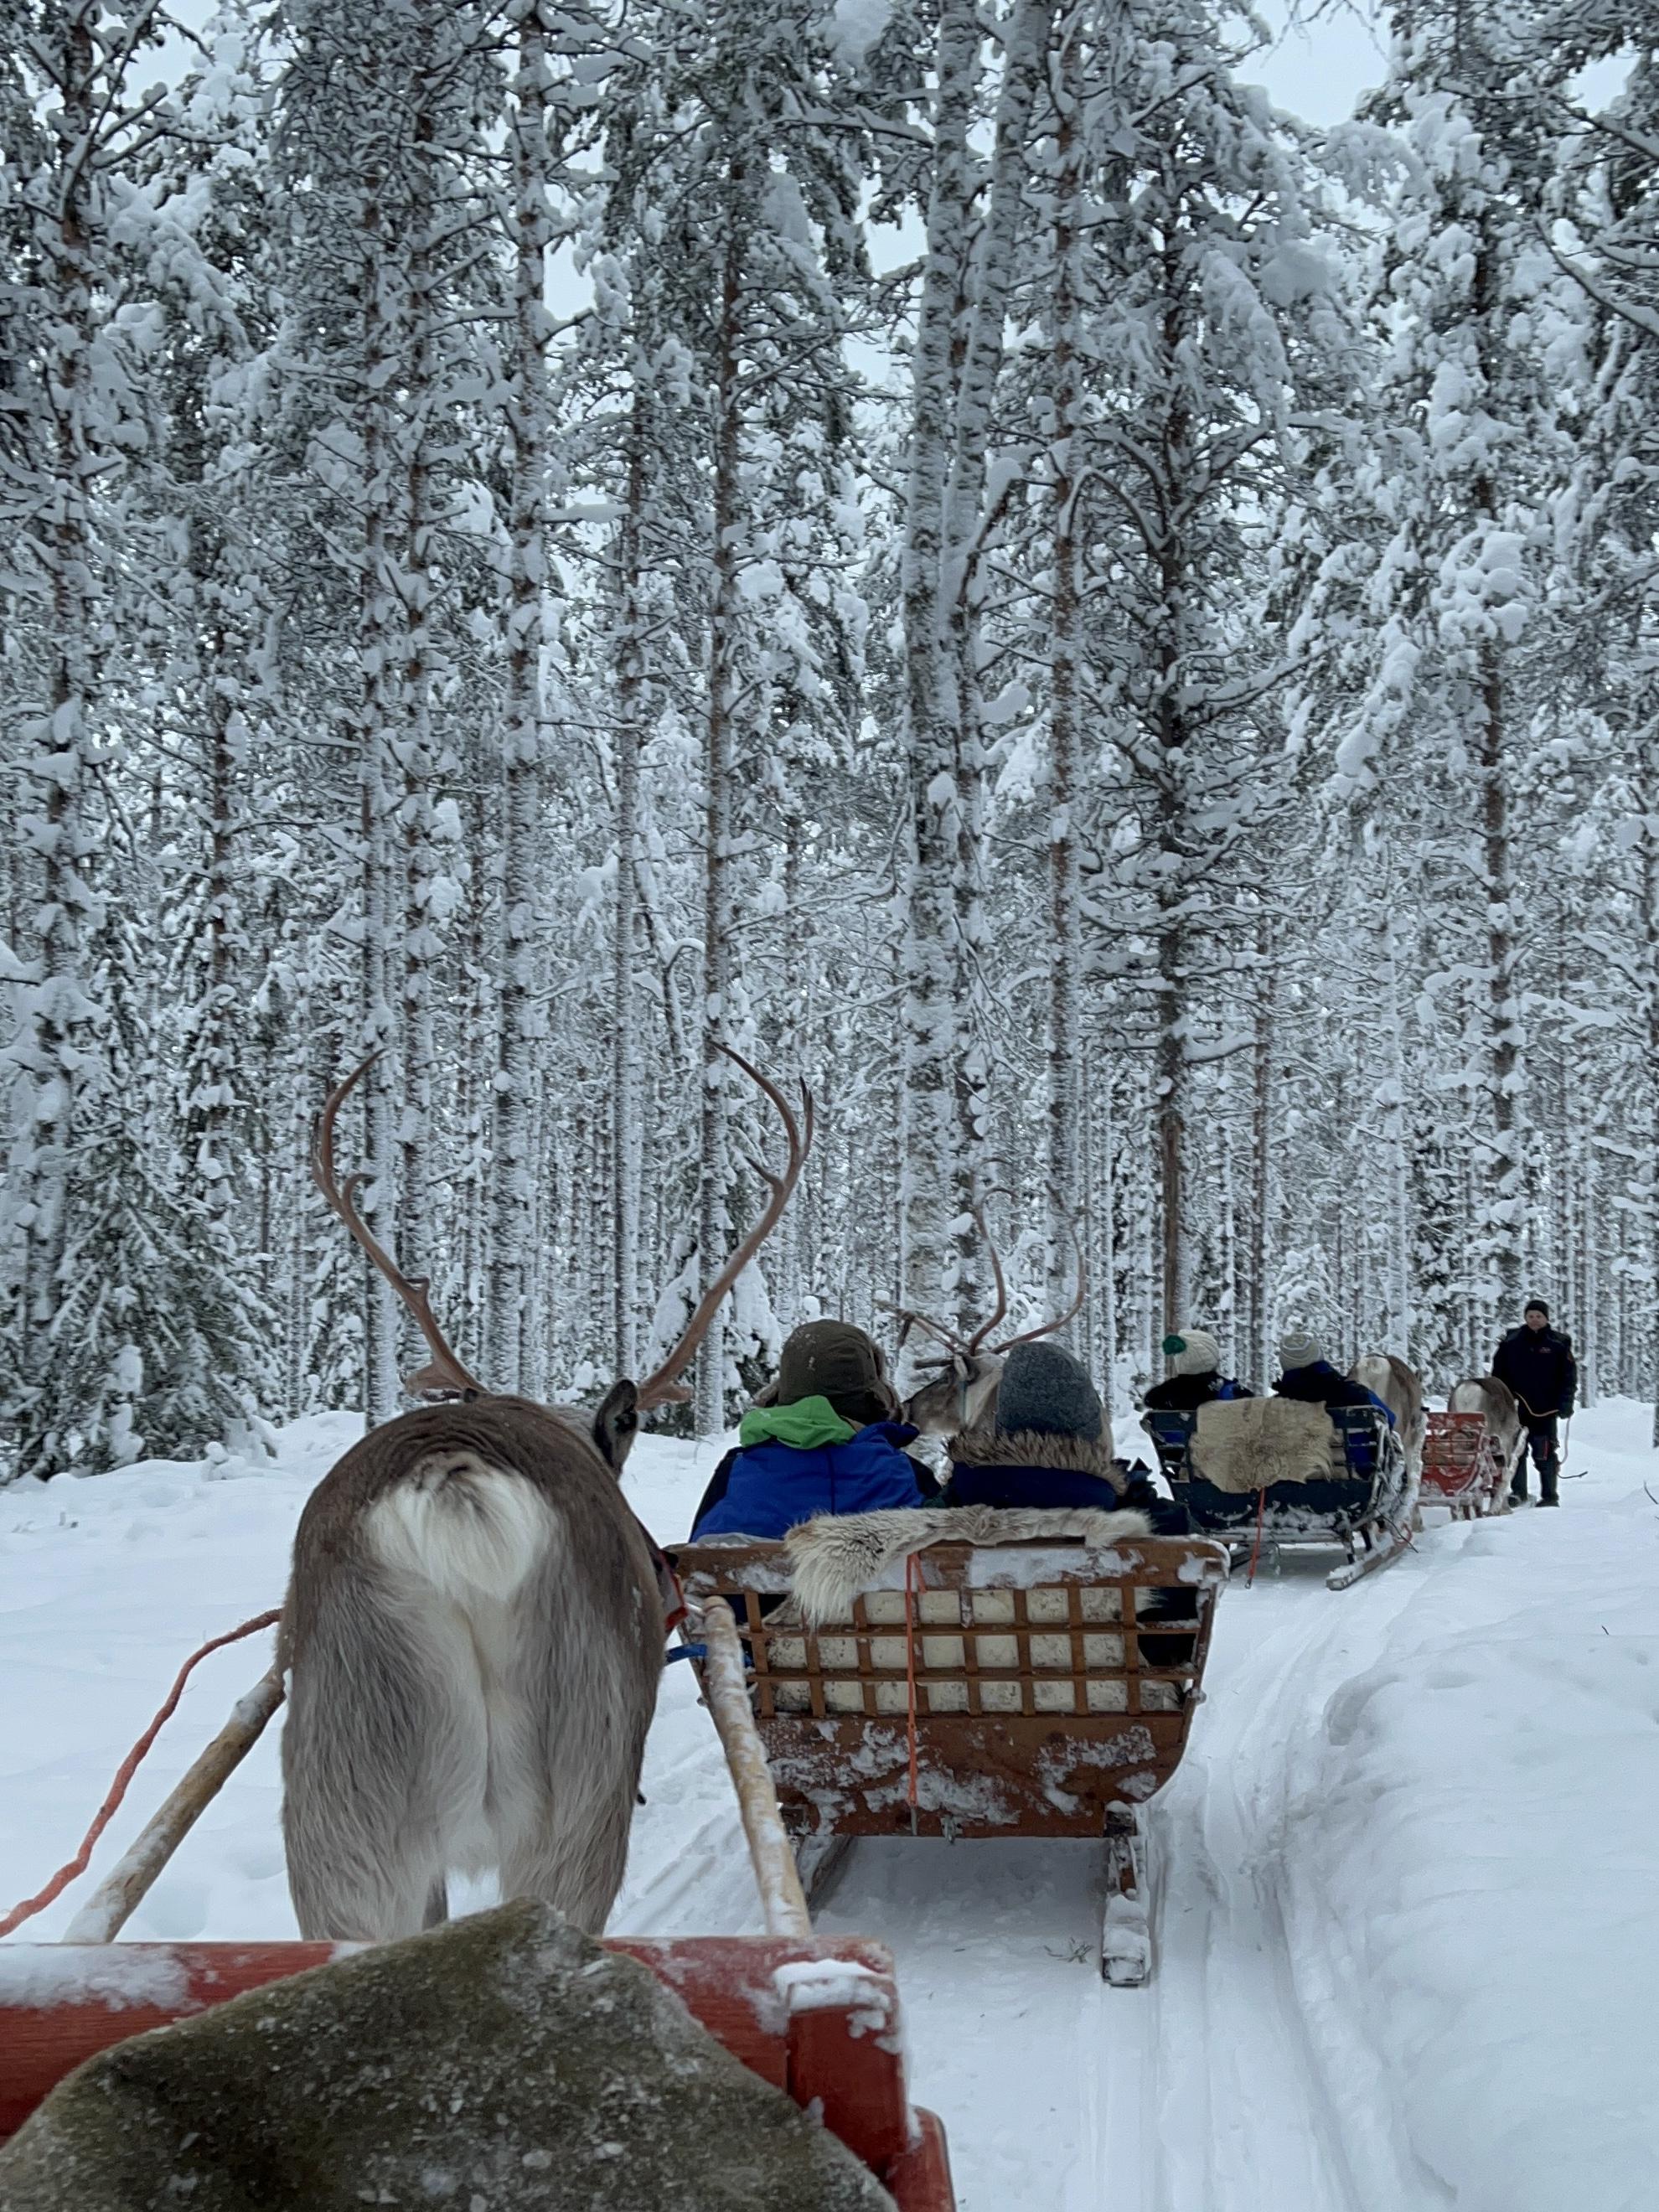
{"points": [[1246, 1445], [834, 1558]]}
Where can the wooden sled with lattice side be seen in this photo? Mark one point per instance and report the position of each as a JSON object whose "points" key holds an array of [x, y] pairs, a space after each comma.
{"points": [[1279, 1472], [975, 1689], [1462, 1469]]}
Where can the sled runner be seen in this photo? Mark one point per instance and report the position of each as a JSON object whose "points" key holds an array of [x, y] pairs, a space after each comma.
{"points": [[1461, 1468], [1333, 1475], [978, 1690]]}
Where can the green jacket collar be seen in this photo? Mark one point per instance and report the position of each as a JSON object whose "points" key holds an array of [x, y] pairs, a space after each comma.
{"points": [[808, 1425]]}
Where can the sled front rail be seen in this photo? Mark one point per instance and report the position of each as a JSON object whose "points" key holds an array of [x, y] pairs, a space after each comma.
{"points": [[826, 2040], [1046, 1687]]}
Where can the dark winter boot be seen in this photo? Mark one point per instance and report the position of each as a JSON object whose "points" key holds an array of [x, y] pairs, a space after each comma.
{"points": [[1519, 1484], [1549, 1475]]}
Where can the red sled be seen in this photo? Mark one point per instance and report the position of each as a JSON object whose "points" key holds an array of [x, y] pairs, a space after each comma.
{"points": [[60, 2003], [1461, 1469]]}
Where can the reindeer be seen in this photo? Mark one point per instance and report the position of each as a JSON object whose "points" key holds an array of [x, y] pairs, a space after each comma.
{"points": [[963, 1392], [474, 1628], [1498, 1404], [1401, 1390]]}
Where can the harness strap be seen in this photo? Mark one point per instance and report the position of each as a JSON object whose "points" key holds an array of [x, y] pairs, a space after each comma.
{"points": [[668, 1583], [912, 1583]]}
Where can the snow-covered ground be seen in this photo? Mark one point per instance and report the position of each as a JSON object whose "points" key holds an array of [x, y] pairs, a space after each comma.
{"points": [[1408, 1941]]}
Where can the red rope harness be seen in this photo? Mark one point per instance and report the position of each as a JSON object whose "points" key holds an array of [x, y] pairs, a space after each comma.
{"points": [[129, 1767], [912, 1583], [1256, 1548]]}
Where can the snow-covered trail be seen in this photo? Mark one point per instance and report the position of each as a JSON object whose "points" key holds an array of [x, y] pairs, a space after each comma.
{"points": [[1405, 1939], [1202, 2090]]}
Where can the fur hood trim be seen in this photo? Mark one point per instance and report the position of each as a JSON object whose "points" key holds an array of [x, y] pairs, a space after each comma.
{"points": [[834, 1558], [986, 1447]]}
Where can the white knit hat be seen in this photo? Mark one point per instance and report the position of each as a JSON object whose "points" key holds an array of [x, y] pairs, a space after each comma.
{"points": [[1196, 1352], [1300, 1347]]}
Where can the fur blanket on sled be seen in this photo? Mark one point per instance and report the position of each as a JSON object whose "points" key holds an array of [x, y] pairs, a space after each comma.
{"points": [[832, 1559], [1245, 1444]]}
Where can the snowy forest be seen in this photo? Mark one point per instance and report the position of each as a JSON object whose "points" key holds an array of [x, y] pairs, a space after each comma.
{"points": [[948, 546]]}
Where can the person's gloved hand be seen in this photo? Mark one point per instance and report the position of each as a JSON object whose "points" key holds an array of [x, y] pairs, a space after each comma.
{"points": [[1138, 1493]]}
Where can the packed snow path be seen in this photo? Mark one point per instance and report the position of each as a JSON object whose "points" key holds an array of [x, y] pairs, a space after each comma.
{"points": [[1406, 1941]]}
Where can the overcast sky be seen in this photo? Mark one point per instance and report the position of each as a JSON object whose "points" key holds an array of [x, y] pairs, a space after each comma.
{"points": [[1318, 69]]}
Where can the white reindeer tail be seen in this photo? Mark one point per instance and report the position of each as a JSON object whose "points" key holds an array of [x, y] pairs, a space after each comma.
{"points": [[468, 1529], [1373, 1371]]}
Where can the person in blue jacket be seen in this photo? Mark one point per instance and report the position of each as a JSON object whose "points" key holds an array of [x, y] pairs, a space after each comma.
{"points": [[1308, 1376], [826, 1443]]}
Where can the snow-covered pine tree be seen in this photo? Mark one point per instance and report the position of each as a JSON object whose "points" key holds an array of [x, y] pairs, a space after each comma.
{"points": [[1219, 339], [1469, 301], [73, 111]]}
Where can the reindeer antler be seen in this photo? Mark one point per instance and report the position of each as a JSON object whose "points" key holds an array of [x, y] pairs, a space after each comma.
{"points": [[909, 1318], [1048, 1327], [444, 1371], [976, 1342], [663, 1387], [956, 1347]]}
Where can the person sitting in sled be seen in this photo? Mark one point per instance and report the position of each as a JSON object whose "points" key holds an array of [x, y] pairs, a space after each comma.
{"points": [[1195, 1377], [1308, 1375], [827, 1440], [1048, 1443], [1536, 1361]]}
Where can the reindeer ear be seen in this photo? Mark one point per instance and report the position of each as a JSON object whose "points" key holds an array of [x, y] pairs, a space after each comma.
{"points": [[617, 1424]]}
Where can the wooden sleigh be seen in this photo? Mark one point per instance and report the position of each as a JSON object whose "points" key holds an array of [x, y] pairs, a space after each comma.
{"points": [[980, 1691], [1462, 1469], [1364, 1502]]}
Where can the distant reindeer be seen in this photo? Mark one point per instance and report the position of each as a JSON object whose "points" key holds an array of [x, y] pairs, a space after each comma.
{"points": [[1401, 1390], [1498, 1404], [963, 1392], [474, 1629]]}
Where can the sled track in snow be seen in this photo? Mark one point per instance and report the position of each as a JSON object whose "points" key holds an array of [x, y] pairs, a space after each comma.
{"points": [[1208, 2091]]}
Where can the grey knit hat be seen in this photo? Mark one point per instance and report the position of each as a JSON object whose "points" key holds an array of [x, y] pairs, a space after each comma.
{"points": [[1044, 1390], [1300, 1347], [1192, 1352]]}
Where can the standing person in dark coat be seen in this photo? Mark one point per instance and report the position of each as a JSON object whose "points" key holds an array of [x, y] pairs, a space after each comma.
{"points": [[1536, 1361], [1308, 1375]]}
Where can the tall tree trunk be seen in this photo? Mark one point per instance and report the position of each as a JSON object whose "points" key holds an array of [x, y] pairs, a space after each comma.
{"points": [[1065, 952], [1262, 1133], [1647, 801], [713, 1218], [1395, 1164], [626, 1089], [512, 1265], [416, 1231], [380, 660], [1505, 1193], [934, 1219], [53, 1053]]}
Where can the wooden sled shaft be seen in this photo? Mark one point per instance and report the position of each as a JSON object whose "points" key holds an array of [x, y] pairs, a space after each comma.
{"points": [[108, 1910], [783, 1902]]}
